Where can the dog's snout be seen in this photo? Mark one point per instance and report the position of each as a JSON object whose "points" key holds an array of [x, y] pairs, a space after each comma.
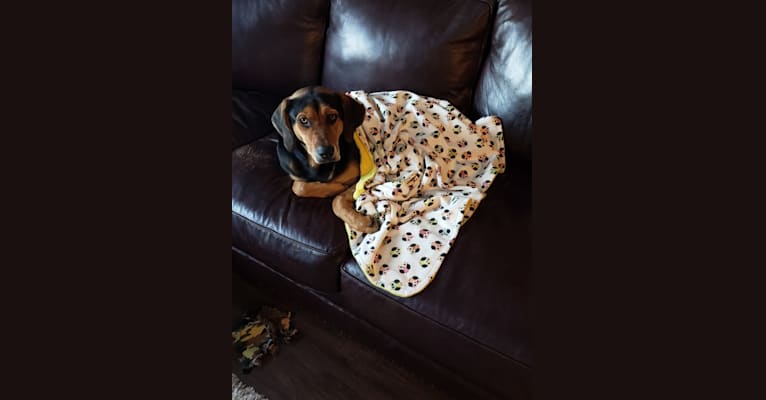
{"points": [[325, 152]]}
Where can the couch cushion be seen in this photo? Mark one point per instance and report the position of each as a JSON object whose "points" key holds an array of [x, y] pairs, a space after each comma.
{"points": [[299, 237], [277, 45], [505, 85], [251, 116], [482, 289], [433, 48]]}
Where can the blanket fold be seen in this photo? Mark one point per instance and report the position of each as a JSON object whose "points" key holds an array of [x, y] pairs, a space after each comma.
{"points": [[424, 169]]}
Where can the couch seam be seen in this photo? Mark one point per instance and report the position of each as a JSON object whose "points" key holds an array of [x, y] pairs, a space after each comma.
{"points": [[483, 55], [305, 245]]}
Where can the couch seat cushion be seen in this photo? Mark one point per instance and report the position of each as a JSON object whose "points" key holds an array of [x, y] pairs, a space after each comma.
{"points": [[299, 237], [481, 290]]}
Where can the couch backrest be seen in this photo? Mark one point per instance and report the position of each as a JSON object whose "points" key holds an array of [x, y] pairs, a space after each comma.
{"points": [[277, 45], [505, 85], [431, 47], [475, 53]]}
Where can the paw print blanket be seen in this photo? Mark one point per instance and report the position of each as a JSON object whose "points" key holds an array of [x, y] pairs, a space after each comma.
{"points": [[424, 169]]}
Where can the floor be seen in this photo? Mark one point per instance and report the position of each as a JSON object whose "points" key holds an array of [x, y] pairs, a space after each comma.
{"points": [[324, 363]]}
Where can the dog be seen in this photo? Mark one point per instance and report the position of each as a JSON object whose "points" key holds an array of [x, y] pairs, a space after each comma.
{"points": [[316, 148]]}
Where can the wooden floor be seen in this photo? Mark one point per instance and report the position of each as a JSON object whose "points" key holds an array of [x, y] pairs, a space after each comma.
{"points": [[323, 363]]}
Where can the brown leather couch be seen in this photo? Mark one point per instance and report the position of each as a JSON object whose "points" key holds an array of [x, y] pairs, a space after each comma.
{"points": [[473, 321]]}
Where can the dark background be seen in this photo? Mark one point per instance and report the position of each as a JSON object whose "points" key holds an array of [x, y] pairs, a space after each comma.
{"points": [[117, 253]]}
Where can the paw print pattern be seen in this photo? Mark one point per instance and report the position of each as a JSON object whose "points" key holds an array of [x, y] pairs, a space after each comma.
{"points": [[446, 215], [431, 160], [383, 269]]}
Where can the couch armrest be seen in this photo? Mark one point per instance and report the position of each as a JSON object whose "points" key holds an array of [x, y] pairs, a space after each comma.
{"points": [[251, 116]]}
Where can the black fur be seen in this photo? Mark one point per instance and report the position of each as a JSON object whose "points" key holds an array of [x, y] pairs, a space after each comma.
{"points": [[293, 158]]}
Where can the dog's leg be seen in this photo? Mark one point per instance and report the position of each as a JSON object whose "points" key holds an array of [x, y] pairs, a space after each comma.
{"points": [[343, 207], [317, 189]]}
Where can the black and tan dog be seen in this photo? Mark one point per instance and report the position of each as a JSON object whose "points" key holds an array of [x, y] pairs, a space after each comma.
{"points": [[317, 149]]}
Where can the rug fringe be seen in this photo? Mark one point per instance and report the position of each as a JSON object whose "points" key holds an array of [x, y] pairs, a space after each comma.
{"points": [[240, 391]]}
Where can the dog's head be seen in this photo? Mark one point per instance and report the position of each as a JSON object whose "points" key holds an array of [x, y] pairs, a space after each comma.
{"points": [[317, 118]]}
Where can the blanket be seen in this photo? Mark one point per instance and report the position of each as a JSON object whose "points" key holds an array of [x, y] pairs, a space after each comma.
{"points": [[424, 169]]}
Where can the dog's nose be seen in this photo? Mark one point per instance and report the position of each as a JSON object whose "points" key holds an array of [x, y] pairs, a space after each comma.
{"points": [[325, 152]]}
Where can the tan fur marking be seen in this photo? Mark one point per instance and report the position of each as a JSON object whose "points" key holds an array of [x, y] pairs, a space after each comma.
{"points": [[343, 208], [320, 131]]}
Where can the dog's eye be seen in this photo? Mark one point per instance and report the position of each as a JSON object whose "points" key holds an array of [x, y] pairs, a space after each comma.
{"points": [[331, 118], [304, 121]]}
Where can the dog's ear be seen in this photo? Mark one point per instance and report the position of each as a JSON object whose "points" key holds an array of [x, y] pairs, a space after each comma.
{"points": [[281, 122], [353, 115]]}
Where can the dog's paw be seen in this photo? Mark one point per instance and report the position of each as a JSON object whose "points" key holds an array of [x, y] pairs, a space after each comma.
{"points": [[299, 188], [368, 225]]}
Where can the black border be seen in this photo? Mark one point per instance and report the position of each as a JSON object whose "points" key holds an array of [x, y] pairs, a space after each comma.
{"points": [[121, 281]]}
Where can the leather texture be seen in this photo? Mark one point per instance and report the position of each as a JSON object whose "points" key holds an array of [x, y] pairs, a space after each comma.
{"points": [[277, 45], [251, 116], [431, 47], [299, 237], [461, 354], [505, 85]]}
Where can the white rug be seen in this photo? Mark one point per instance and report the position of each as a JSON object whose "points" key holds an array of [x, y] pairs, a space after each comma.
{"points": [[240, 391]]}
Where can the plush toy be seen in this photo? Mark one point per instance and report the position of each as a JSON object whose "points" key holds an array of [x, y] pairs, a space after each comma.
{"points": [[260, 335]]}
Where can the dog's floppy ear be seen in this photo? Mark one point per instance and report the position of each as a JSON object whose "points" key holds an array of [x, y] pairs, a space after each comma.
{"points": [[353, 115], [281, 122]]}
